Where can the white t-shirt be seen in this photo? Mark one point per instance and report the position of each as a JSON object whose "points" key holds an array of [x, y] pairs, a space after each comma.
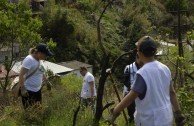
{"points": [[34, 82], [86, 91]]}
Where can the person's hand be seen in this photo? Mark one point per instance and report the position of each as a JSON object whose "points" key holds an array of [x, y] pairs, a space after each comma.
{"points": [[179, 118], [49, 85], [113, 117], [24, 92]]}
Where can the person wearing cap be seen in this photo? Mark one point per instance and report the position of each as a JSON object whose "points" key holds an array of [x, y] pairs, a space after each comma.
{"points": [[152, 91], [88, 92], [32, 74]]}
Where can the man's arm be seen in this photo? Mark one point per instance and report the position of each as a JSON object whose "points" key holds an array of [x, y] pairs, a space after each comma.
{"points": [[179, 117], [173, 99], [44, 77], [127, 100], [138, 90], [23, 71], [92, 88]]}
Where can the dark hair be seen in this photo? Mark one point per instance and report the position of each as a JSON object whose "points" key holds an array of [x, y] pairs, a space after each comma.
{"points": [[83, 68], [147, 46], [137, 56]]}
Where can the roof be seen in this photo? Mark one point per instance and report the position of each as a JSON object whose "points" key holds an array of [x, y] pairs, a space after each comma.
{"points": [[163, 45], [39, 0], [17, 66], [6, 48], [55, 68], [166, 44], [74, 64]]}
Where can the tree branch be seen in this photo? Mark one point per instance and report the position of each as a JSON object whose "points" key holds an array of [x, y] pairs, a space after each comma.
{"points": [[99, 30], [107, 105], [117, 60]]}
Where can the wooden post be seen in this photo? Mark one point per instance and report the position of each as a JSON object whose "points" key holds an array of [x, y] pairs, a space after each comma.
{"points": [[116, 91]]}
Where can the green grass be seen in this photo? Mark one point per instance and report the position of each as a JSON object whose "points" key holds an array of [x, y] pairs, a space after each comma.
{"points": [[60, 103]]}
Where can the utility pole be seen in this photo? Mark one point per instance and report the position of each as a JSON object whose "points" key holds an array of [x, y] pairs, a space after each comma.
{"points": [[180, 44], [179, 29]]}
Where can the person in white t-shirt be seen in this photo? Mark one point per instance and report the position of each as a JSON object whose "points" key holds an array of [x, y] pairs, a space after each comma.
{"points": [[33, 67], [152, 90], [129, 78], [88, 92]]}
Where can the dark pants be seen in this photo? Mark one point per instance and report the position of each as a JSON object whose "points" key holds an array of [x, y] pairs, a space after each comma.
{"points": [[88, 102], [32, 99], [131, 110]]}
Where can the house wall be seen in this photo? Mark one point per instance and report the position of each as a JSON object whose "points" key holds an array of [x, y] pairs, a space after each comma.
{"points": [[188, 47], [4, 54]]}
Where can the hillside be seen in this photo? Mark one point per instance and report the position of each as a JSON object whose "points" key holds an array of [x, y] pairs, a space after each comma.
{"points": [[70, 29], [73, 26]]}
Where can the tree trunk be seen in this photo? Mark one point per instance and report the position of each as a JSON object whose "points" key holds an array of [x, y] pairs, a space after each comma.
{"points": [[100, 92]]}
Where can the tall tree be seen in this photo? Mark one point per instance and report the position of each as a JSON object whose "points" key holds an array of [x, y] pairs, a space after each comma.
{"points": [[17, 26]]}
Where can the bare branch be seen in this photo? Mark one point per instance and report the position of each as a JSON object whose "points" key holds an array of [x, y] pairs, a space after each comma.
{"points": [[117, 60], [108, 105], [75, 114], [99, 30], [104, 75]]}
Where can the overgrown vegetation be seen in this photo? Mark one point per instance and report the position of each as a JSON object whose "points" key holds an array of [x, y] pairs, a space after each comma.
{"points": [[60, 104], [17, 27], [58, 108], [72, 26]]}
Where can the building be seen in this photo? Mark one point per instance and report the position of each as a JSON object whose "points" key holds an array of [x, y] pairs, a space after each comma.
{"points": [[188, 47], [75, 65], [3, 73], [37, 5], [163, 48], [56, 69], [6, 52]]}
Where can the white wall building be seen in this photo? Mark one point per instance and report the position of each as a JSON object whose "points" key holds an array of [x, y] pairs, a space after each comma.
{"points": [[163, 48], [188, 47], [6, 52]]}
